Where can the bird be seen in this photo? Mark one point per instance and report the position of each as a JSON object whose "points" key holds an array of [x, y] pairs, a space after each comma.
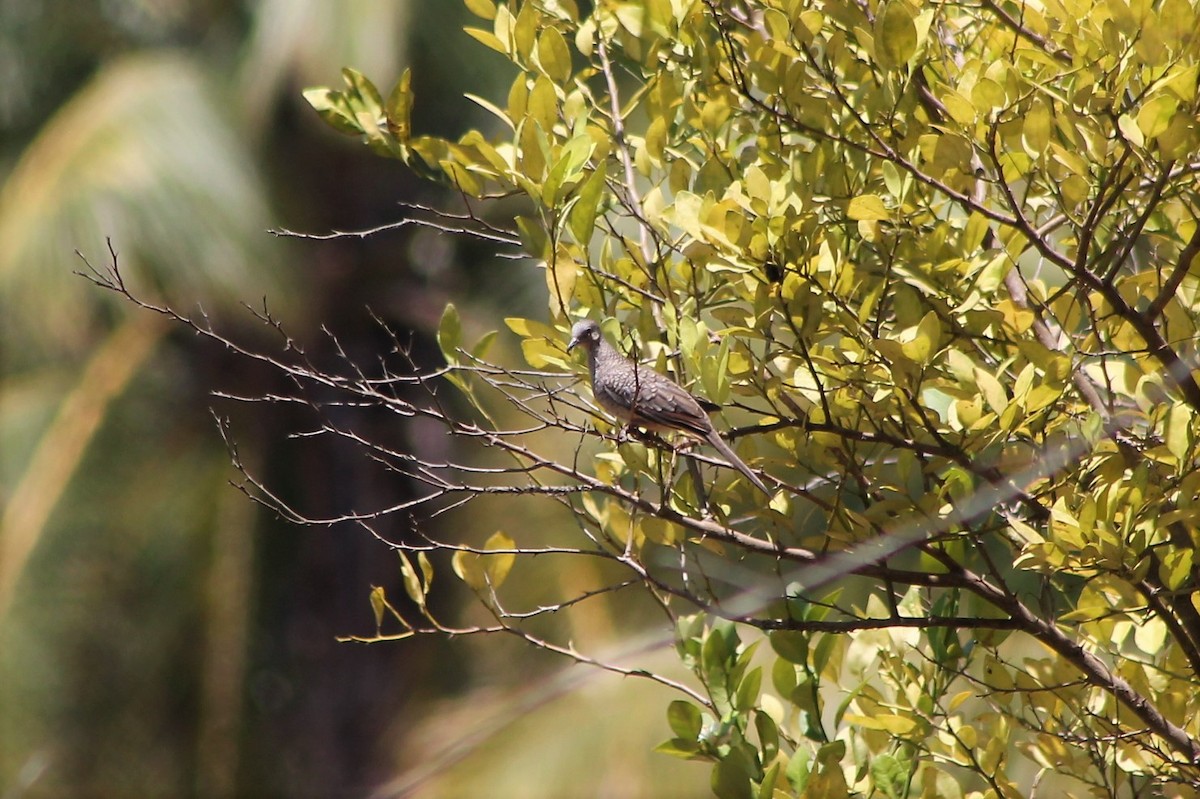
{"points": [[640, 396]]}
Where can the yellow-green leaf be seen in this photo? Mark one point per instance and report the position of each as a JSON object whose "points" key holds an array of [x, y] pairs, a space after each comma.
{"points": [[897, 725], [554, 56], [895, 35], [466, 565], [925, 343], [497, 567], [488, 39], [993, 393], [1150, 635], [524, 29], [331, 106], [399, 108], [1154, 116], [561, 276], [540, 353], [363, 91], [1179, 420], [1129, 128], [530, 328], [412, 582], [1176, 568], [867, 206], [378, 605], [482, 8], [1035, 130]]}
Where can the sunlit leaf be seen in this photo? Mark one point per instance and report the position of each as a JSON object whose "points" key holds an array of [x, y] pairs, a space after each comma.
{"points": [[867, 207], [895, 34], [482, 8]]}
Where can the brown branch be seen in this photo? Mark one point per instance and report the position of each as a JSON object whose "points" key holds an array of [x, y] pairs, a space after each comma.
{"points": [[1091, 666], [1182, 267], [892, 622], [1059, 54]]}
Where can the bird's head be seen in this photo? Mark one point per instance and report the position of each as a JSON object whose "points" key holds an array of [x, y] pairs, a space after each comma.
{"points": [[585, 334]]}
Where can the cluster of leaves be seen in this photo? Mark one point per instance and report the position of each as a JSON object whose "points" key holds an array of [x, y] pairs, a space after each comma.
{"points": [[939, 259]]}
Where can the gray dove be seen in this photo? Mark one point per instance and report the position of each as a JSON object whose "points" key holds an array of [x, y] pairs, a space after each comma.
{"points": [[640, 396]]}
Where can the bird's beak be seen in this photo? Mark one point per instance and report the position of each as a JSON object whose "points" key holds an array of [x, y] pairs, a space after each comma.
{"points": [[574, 342]]}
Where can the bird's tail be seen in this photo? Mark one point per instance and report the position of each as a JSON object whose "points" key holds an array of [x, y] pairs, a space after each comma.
{"points": [[727, 452]]}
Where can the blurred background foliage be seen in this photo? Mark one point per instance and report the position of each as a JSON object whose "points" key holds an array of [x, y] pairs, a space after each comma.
{"points": [[159, 635]]}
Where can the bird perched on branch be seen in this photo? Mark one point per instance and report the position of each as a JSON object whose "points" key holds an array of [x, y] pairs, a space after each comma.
{"points": [[642, 397]]}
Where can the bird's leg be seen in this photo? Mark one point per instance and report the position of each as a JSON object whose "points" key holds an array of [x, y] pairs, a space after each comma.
{"points": [[664, 486], [646, 437], [698, 481], [631, 432]]}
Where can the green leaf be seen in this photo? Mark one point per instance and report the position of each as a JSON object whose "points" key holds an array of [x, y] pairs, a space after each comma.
{"points": [[684, 748], [890, 775], [534, 240], [581, 220], [798, 770], [791, 646], [480, 350], [714, 373], [685, 719], [783, 676], [449, 334], [767, 789], [823, 651], [746, 697], [731, 779], [566, 169], [895, 35], [768, 735], [461, 178], [716, 657]]}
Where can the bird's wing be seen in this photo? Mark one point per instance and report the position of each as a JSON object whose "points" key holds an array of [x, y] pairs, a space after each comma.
{"points": [[660, 402]]}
